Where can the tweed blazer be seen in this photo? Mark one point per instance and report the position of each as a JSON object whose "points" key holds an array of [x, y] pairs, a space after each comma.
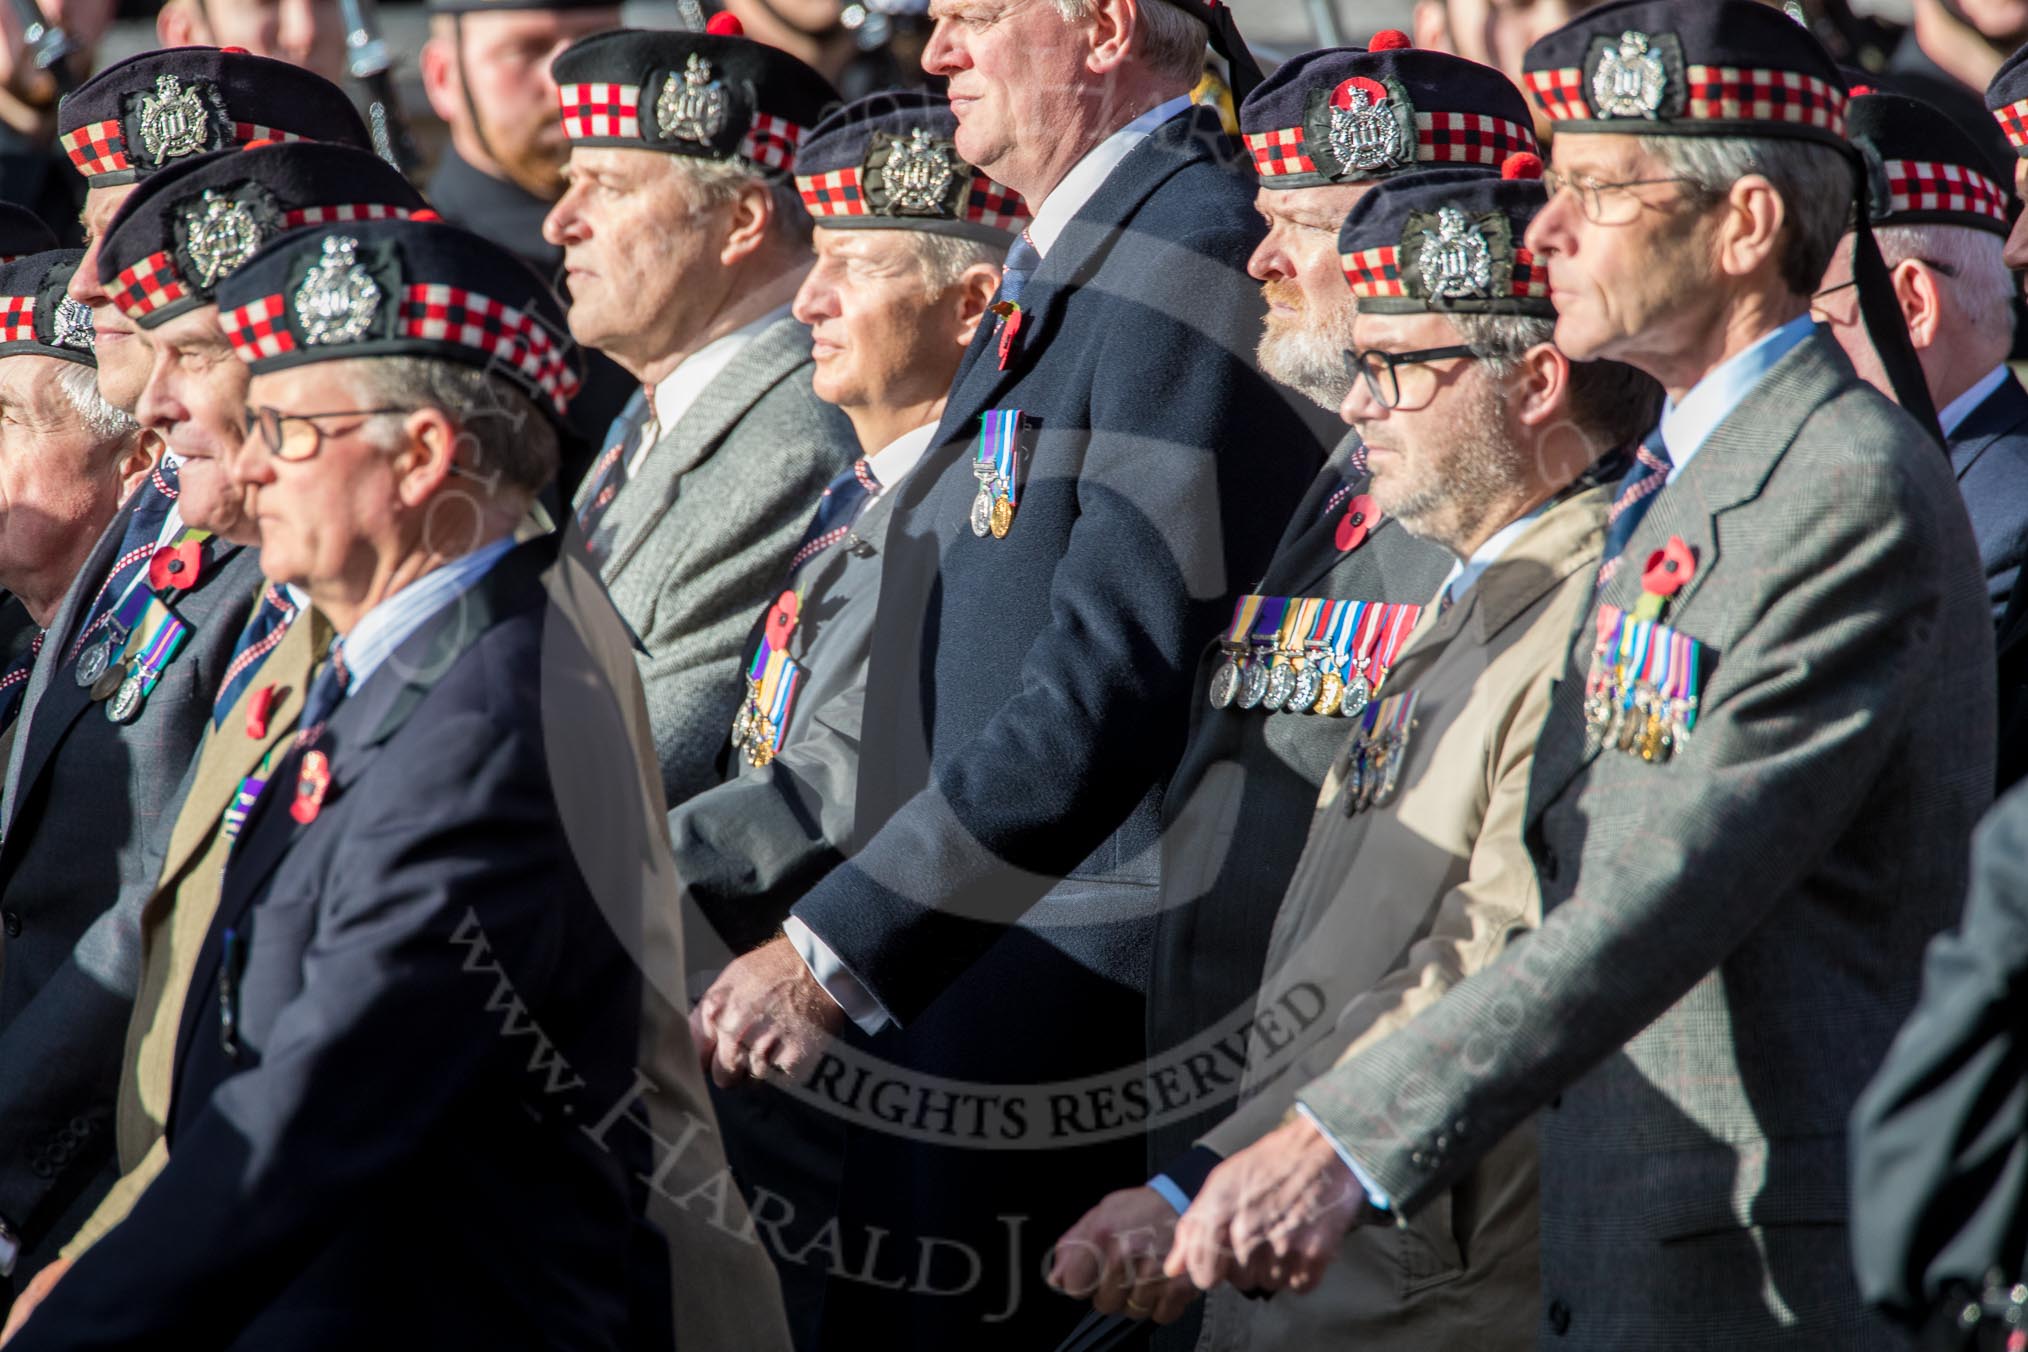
{"points": [[702, 533], [1732, 935], [1237, 808], [89, 813]]}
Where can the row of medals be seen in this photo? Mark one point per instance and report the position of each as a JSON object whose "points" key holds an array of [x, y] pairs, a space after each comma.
{"points": [[117, 684], [992, 510], [1292, 684], [751, 734], [1652, 726]]}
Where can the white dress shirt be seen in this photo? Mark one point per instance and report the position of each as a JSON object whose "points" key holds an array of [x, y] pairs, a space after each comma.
{"points": [[1688, 425]]}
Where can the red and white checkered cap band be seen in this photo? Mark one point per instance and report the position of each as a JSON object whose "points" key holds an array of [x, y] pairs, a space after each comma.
{"points": [[1530, 282], [244, 132], [996, 206], [1470, 138], [97, 148], [1560, 93], [149, 285], [451, 314], [838, 193], [2013, 120], [343, 211], [771, 142], [258, 329], [1715, 93], [1922, 185], [1279, 152], [17, 319], [1373, 272], [600, 110]]}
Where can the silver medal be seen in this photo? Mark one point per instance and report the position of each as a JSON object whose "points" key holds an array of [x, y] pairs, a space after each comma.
{"points": [[337, 300], [1630, 79], [1253, 683], [125, 705], [692, 105], [1281, 683], [93, 661], [1225, 684], [1309, 684], [1357, 695], [982, 513]]}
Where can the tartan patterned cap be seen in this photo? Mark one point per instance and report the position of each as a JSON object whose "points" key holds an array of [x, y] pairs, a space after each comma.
{"points": [[136, 117], [1448, 241], [401, 288], [22, 232], [713, 95], [1342, 115], [190, 227], [1921, 168], [1687, 68], [889, 162], [36, 317], [2007, 99]]}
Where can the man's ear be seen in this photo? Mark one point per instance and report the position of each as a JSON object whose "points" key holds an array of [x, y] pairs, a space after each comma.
{"points": [[1920, 295], [439, 65], [1540, 393], [177, 26], [141, 456], [1750, 230], [974, 295], [424, 461], [753, 212], [1112, 28]]}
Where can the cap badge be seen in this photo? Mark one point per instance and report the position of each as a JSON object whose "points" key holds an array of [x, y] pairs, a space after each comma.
{"points": [[918, 173], [72, 322], [1365, 133], [692, 106], [173, 121], [221, 235], [336, 301], [1456, 260], [1630, 79]]}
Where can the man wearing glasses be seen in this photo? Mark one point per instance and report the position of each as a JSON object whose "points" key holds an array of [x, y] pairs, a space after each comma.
{"points": [[1753, 787], [1482, 440]]}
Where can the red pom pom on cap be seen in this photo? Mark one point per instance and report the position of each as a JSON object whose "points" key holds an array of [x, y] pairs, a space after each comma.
{"points": [[1390, 40], [260, 141], [1521, 166], [1861, 91], [725, 25], [425, 216], [232, 51]]}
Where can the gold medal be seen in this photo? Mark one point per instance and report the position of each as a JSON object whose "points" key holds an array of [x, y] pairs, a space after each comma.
{"points": [[1003, 517], [1330, 695]]}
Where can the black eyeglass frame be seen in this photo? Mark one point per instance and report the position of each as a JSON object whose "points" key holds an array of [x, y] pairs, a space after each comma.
{"points": [[1358, 367]]}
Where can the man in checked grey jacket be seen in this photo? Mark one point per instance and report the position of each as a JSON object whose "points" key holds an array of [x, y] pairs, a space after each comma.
{"points": [[684, 241], [1733, 916]]}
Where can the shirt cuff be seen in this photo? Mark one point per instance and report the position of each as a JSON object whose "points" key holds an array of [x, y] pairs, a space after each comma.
{"points": [[843, 987], [1373, 1192], [1165, 1188]]}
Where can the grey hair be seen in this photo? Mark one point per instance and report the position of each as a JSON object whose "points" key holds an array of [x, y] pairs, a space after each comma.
{"points": [[1172, 42], [1983, 287], [1609, 402], [946, 258], [509, 437], [1814, 181], [715, 183], [80, 386]]}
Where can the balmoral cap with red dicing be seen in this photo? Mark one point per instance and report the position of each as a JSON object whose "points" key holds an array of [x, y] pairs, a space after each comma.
{"points": [[22, 232], [890, 162], [185, 230], [2007, 98], [1687, 68], [139, 116], [712, 95], [1921, 168], [400, 288], [37, 318], [1448, 241], [1342, 115]]}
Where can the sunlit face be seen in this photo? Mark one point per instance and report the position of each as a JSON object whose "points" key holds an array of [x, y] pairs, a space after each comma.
{"points": [[195, 398], [59, 481], [1016, 68], [880, 337], [122, 351], [306, 33], [1309, 305], [505, 70], [2004, 23], [641, 257]]}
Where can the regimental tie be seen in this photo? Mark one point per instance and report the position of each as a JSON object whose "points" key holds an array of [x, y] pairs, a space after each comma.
{"points": [[264, 631], [327, 691], [1649, 475], [843, 500], [609, 475], [14, 683], [152, 502], [1023, 258]]}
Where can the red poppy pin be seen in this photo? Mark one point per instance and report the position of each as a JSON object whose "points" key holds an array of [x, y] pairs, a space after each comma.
{"points": [[1362, 514], [782, 620], [1669, 568], [257, 709], [176, 566], [313, 781]]}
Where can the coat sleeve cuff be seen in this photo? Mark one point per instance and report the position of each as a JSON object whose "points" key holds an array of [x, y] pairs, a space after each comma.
{"points": [[838, 983]]}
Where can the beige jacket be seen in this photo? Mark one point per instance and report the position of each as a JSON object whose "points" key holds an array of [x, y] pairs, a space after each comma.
{"points": [[1392, 906]]}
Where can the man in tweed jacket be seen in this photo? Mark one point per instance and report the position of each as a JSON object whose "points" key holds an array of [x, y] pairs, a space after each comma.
{"points": [[697, 499], [1733, 924]]}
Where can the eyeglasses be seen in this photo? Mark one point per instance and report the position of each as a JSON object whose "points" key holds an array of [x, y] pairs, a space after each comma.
{"points": [[1382, 372], [299, 436], [1947, 269], [1606, 203]]}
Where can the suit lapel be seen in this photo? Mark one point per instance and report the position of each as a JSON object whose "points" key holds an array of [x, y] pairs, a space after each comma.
{"points": [[1999, 414], [778, 351]]}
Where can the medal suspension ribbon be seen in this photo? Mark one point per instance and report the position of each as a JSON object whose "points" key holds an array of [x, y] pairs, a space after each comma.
{"points": [[1397, 623], [998, 457], [1336, 628], [1243, 611]]}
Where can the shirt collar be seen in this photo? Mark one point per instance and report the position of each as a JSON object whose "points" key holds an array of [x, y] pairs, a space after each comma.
{"points": [[1465, 573], [1068, 197], [892, 462], [1688, 425], [1957, 410], [385, 627], [678, 390]]}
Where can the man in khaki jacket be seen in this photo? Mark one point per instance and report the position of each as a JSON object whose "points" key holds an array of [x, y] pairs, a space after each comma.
{"points": [[1483, 437]]}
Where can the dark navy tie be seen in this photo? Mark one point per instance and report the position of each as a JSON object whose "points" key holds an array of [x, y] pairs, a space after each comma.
{"points": [[264, 631], [1637, 493], [1022, 260], [609, 476], [326, 692], [151, 503]]}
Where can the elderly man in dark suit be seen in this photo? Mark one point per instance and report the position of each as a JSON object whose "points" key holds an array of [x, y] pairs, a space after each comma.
{"points": [[436, 894], [122, 690], [1752, 790], [684, 240], [1111, 469]]}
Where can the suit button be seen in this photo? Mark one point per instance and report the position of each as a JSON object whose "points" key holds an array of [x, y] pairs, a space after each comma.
{"points": [[12, 920], [1464, 1125], [1416, 1158], [1559, 1318]]}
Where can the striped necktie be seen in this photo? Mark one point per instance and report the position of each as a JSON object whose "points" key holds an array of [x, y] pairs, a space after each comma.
{"points": [[609, 476], [264, 631], [14, 683], [149, 508], [836, 511], [1638, 489], [327, 691]]}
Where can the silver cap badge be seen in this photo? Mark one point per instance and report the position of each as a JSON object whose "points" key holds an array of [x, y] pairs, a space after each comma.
{"points": [[337, 300], [1456, 260], [72, 321], [173, 121], [221, 234], [1630, 79], [918, 174], [1365, 133], [692, 106]]}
